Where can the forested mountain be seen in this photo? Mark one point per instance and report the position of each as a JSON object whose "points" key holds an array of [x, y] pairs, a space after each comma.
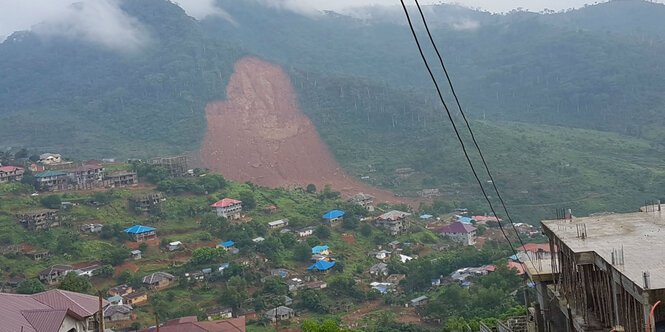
{"points": [[518, 67], [86, 100]]}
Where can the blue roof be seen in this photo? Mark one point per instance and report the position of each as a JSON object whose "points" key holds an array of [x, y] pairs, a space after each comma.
{"points": [[138, 229], [46, 174], [466, 283], [465, 220], [227, 243], [225, 265], [515, 258], [116, 298], [322, 265], [318, 249], [333, 214], [426, 216], [382, 289], [136, 252]]}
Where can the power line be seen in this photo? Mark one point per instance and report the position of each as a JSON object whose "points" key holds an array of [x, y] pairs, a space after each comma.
{"points": [[473, 136], [452, 121]]}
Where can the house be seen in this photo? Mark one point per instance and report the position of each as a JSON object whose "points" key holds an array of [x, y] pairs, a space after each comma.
{"points": [[52, 180], [138, 233], [249, 314], [54, 310], [383, 287], [176, 166], [50, 158], [228, 208], [11, 174], [429, 193], [394, 244], [333, 217], [436, 282], [279, 272], [115, 299], [258, 239], [136, 254], [87, 176], [91, 228], [87, 270], [305, 231], [461, 233], [196, 276], [117, 312], [120, 179], [364, 200], [147, 203], [173, 246], [135, 298], [280, 313], [120, 290], [404, 258], [395, 278], [40, 219], [158, 280], [382, 254], [419, 301], [37, 255], [379, 270], [219, 313], [191, 324], [426, 216], [322, 266], [228, 245], [270, 209], [54, 273], [278, 223], [321, 250], [294, 284], [465, 220], [534, 251], [394, 221], [284, 230], [317, 284], [470, 272]]}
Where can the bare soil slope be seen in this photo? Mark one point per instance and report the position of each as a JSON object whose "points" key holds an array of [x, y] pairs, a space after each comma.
{"points": [[259, 135]]}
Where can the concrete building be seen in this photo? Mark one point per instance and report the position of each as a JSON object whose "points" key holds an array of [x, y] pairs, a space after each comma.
{"points": [[135, 298], [87, 176], [278, 223], [394, 221], [54, 274], [11, 174], [50, 158], [120, 179], [461, 233], [175, 166], [147, 203], [138, 233], [120, 290], [333, 217], [52, 181], [605, 271], [191, 324], [117, 312], [228, 208], [364, 200], [38, 219], [279, 313], [158, 280], [305, 231], [54, 310]]}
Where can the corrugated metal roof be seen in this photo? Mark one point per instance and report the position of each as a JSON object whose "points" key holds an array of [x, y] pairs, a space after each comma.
{"points": [[226, 202], [45, 320], [321, 265], [8, 169], [458, 227], [138, 229], [333, 214], [49, 174]]}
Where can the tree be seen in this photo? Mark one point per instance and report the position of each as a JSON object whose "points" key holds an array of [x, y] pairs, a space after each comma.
{"points": [[143, 246], [217, 226], [51, 201], [105, 271], [248, 200], [206, 255], [322, 232], [350, 222], [311, 188], [30, 286], [366, 230], [75, 283], [115, 256], [481, 230], [302, 252], [233, 297]]}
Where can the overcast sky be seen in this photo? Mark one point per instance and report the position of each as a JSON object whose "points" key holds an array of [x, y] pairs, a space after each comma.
{"points": [[102, 22]]}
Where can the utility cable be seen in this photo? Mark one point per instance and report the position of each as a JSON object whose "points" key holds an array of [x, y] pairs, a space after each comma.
{"points": [[473, 136]]}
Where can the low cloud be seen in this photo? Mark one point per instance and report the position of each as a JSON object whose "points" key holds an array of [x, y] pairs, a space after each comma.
{"points": [[200, 9], [466, 24], [100, 22]]}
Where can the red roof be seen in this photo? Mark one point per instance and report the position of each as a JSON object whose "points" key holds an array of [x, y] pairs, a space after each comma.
{"points": [[8, 169], [490, 268], [458, 227], [518, 266], [272, 207], [226, 202], [535, 247], [189, 324]]}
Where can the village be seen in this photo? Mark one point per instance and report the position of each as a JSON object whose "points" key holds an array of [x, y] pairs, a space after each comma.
{"points": [[148, 234]]}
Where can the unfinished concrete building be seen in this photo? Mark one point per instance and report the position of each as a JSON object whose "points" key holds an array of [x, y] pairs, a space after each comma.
{"points": [[606, 273], [38, 219], [87, 176], [176, 166], [364, 200], [120, 179], [146, 203]]}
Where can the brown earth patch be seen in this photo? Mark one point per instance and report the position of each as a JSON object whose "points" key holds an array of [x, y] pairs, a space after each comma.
{"points": [[258, 134]]}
